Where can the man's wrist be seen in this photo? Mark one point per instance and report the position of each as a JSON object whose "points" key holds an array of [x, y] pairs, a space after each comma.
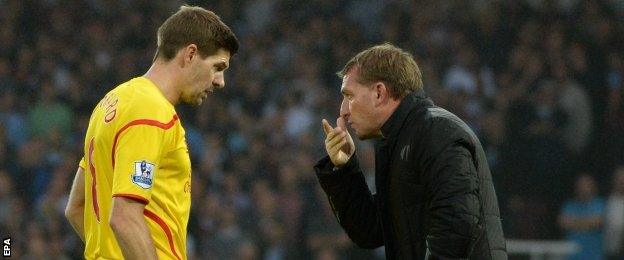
{"points": [[345, 166]]}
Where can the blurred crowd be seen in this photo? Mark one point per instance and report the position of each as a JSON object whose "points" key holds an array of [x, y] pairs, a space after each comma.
{"points": [[540, 82]]}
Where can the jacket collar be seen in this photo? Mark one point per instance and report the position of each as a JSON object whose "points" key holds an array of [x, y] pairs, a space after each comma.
{"points": [[392, 126]]}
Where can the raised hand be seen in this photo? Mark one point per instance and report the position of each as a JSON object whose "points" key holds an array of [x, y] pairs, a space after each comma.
{"points": [[338, 142]]}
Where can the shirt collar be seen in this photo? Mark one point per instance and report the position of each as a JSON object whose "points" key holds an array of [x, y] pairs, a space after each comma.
{"points": [[415, 99]]}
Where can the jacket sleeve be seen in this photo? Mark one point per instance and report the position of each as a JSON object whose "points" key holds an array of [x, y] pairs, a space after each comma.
{"points": [[454, 210], [351, 201]]}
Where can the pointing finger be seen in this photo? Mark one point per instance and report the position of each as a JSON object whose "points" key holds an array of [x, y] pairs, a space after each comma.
{"points": [[326, 127]]}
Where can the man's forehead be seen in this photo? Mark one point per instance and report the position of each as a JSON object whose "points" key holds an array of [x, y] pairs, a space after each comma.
{"points": [[348, 80], [221, 56], [225, 59], [344, 87]]}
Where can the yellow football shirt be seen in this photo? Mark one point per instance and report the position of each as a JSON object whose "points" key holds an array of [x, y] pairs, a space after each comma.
{"points": [[135, 148]]}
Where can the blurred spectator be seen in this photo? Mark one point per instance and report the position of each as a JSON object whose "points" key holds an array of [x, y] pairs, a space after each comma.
{"points": [[298, 116], [233, 195], [535, 160], [6, 198], [4, 150], [326, 254], [290, 203], [37, 245], [204, 228], [576, 106], [615, 78], [614, 218], [247, 251], [31, 174], [49, 116], [13, 122], [228, 236], [613, 136], [582, 219], [323, 231], [272, 240]]}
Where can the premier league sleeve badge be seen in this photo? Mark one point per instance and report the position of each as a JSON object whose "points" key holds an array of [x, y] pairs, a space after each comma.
{"points": [[143, 174]]}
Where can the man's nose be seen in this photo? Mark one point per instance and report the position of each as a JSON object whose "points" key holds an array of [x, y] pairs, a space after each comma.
{"points": [[218, 82], [344, 109]]}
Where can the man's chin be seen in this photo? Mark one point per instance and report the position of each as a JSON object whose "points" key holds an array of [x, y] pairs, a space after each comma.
{"points": [[198, 102], [194, 102], [363, 136], [366, 136]]}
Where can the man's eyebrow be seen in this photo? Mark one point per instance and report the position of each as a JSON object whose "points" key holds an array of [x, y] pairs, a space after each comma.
{"points": [[222, 64]]}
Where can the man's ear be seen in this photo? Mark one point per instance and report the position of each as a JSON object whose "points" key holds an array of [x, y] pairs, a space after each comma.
{"points": [[190, 52], [381, 92]]}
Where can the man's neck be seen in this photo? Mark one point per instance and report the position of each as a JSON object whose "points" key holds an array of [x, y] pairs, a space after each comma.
{"points": [[163, 76], [388, 110]]}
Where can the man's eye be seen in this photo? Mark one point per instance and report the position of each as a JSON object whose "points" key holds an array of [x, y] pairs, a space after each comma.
{"points": [[220, 68]]}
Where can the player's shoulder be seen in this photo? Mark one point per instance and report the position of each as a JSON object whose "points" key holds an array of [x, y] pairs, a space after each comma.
{"points": [[139, 88], [139, 98]]}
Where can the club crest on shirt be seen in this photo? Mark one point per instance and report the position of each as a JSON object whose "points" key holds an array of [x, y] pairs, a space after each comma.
{"points": [[143, 174]]}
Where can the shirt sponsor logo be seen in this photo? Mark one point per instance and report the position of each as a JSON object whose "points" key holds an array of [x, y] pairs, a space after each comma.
{"points": [[143, 174]]}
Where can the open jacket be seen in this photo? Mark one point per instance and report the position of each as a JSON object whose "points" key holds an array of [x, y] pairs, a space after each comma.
{"points": [[435, 198]]}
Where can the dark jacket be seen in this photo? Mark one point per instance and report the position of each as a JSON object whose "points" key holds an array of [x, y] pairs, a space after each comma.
{"points": [[434, 196]]}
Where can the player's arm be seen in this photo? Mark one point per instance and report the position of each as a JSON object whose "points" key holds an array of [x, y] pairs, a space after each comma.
{"points": [[74, 212], [131, 231]]}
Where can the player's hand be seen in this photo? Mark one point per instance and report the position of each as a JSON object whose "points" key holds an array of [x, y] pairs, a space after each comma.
{"points": [[338, 142]]}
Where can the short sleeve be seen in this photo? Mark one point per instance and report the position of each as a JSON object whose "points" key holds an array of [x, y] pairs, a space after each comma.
{"points": [[136, 153], [82, 164]]}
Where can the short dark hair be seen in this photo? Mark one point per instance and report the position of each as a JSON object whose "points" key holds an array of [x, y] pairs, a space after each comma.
{"points": [[193, 24], [389, 64]]}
